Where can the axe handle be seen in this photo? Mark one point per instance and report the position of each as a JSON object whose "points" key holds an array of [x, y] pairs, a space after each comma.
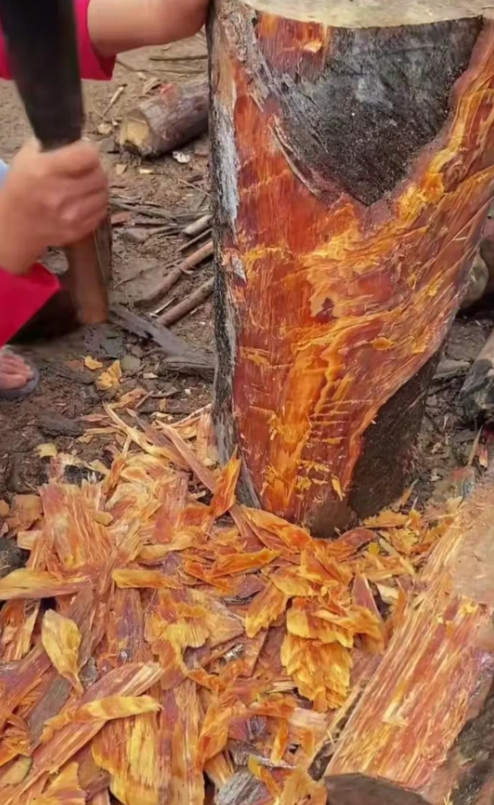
{"points": [[42, 44], [86, 281]]}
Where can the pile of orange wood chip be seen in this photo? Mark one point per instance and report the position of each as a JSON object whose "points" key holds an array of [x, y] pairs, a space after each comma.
{"points": [[165, 644]]}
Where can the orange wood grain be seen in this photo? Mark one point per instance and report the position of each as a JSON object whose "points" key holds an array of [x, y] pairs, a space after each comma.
{"points": [[337, 304], [425, 719]]}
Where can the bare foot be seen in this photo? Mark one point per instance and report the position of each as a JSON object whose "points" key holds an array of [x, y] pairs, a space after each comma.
{"points": [[15, 373]]}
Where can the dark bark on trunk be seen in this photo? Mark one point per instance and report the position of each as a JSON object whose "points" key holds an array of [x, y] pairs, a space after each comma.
{"points": [[352, 162]]}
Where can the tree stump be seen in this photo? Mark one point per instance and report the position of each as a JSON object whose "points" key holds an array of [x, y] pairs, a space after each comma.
{"points": [[353, 165], [426, 719]]}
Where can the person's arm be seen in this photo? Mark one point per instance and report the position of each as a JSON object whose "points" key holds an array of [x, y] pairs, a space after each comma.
{"points": [[119, 25]]}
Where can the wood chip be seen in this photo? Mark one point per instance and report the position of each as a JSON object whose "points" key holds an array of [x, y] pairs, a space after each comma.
{"points": [[181, 622]]}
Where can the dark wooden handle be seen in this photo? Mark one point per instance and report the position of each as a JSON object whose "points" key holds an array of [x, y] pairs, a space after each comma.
{"points": [[87, 288], [42, 45]]}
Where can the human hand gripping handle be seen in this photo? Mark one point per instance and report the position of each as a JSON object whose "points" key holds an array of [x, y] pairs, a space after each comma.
{"points": [[42, 45]]}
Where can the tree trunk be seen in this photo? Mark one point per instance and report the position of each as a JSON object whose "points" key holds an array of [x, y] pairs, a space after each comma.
{"points": [[426, 719], [352, 152]]}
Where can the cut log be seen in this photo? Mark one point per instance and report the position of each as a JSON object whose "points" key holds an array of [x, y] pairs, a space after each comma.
{"points": [[352, 184], [171, 119], [426, 719]]}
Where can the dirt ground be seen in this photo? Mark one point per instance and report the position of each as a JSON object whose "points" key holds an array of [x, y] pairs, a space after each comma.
{"points": [[68, 388]]}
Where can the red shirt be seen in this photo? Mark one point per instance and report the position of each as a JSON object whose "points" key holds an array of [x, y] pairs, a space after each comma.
{"points": [[22, 296]]}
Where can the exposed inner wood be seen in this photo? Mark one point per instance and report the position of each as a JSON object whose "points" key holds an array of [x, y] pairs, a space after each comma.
{"points": [[426, 720], [348, 213], [370, 13]]}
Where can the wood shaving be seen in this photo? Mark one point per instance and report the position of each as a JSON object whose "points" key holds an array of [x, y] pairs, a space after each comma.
{"points": [[185, 623]]}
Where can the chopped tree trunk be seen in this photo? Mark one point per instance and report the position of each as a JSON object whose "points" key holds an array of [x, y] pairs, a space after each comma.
{"points": [[171, 119], [426, 719], [353, 179]]}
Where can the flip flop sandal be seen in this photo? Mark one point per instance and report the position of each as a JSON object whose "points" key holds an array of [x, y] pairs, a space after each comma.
{"points": [[11, 395]]}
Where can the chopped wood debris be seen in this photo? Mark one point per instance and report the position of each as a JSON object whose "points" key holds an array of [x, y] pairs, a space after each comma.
{"points": [[111, 378], [162, 635]]}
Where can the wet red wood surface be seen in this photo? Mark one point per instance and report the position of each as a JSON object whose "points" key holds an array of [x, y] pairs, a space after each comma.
{"points": [[337, 304]]}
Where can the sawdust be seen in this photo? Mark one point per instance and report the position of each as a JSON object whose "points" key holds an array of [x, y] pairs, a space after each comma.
{"points": [[161, 631]]}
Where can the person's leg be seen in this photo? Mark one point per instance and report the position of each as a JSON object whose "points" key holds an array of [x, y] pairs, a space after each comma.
{"points": [[17, 376]]}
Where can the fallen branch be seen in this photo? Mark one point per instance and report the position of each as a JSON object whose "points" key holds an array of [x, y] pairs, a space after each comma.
{"points": [[477, 393], [113, 100], [174, 117], [198, 227], [190, 365], [187, 305], [149, 211], [196, 241], [181, 357], [173, 276], [185, 57]]}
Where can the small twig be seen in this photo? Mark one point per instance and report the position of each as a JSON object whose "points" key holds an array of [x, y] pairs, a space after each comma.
{"points": [[192, 185], [171, 279], [187, 305], [171, 57], [191, 243], [200, 201], [161, 308], [474, 448], [116, 95], [148, 211], [169, 71], [135, 203], [151, 223]]}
